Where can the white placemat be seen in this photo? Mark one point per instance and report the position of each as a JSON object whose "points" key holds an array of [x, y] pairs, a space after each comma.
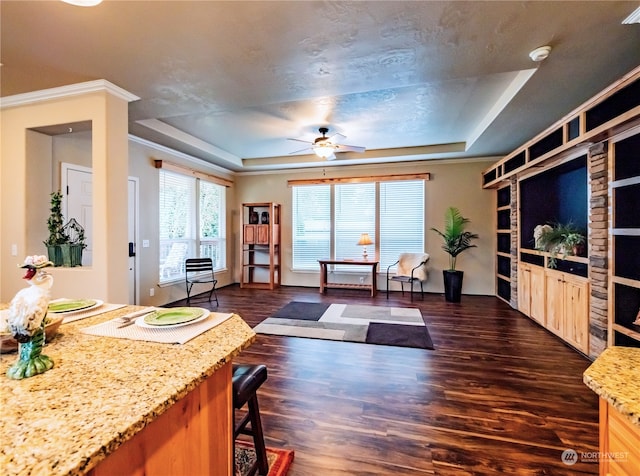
{"points": [[177, 335], [77, 315]]}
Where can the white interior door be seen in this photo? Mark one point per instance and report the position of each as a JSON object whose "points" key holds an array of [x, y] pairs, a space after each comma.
{"points": [[77, 191], [77, 186]]}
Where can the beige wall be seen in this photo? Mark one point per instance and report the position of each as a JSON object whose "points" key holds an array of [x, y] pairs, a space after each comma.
{"points": [[141, 165], [27, 165], [453, 183]]}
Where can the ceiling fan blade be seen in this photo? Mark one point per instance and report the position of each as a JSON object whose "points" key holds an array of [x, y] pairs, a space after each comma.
{"points": [[331, 157], [349, 148], [336, 134], [301, 150], [299, 140]]}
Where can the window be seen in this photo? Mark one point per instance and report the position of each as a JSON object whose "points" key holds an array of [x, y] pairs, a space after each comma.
{"points": [[401, 219], [329, 219], [311, 225], [192, 223]]}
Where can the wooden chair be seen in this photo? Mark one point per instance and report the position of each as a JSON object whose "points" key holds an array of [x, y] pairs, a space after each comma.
{"points": [[200, 271], [412, 268]]}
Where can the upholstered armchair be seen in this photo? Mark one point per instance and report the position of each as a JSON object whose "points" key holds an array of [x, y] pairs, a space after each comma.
{"points": [[412, 268]]}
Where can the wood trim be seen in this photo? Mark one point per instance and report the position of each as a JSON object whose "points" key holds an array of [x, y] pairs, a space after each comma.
{"points": [[371, 178], [163, 164]]}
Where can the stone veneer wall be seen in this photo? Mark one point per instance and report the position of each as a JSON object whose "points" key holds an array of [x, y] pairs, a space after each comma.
{"points": [[598, 247], [514, 242]]}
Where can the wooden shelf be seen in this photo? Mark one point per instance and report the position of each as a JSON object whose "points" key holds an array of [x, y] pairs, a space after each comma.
{"points": [[260, 245], [624, 239]]}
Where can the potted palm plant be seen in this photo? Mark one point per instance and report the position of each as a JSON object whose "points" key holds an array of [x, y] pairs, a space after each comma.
{"points": [[456, 240]]}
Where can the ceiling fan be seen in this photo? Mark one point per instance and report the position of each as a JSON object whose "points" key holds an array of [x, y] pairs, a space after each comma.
{"points": [[325, 147]]}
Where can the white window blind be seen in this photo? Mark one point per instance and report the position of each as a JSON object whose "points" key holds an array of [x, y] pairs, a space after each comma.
{"points": [[355, 213], [398, 213], [187, 230], [311, 225], [401, 220], [177, 237], [212, 223]]}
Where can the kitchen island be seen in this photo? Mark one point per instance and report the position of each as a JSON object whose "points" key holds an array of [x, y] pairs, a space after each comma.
{"points": [[118, 406], [615, 377]]}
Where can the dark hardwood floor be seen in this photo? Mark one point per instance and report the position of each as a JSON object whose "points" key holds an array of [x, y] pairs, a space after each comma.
{"points": [[498, 395]]}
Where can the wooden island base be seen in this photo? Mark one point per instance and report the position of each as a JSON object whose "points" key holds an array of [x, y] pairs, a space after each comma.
{"points": [[193, 436]]}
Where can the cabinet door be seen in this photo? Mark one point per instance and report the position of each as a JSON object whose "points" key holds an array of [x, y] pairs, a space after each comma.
{"points": [[524, 289], [576, 313], [555, 302], [263, 235], [250, 234], [537, 293]]}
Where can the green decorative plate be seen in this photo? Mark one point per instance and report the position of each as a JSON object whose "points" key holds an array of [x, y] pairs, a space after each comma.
{"points": [[175, 316], [69, 305]]}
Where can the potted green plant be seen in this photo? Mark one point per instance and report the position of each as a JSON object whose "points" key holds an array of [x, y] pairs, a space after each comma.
{"points": [[456, 240], [55, 225], [559, 239], [65, 242]]}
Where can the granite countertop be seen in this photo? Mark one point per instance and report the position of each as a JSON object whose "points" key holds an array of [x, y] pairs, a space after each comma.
{"points": [[615, 376], [100, 393]]}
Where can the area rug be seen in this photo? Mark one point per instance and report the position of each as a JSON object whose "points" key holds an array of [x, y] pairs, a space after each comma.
{"points": [[279, 459], [395, 326]]}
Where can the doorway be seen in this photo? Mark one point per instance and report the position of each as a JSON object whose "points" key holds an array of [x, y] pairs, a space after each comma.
{"points": [[77, 184]]}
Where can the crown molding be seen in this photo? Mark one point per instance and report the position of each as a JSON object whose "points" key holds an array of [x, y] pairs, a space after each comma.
{"points": [[66, 91], [200, 163]]}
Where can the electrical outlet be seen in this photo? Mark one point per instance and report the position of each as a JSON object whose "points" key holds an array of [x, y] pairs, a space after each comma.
{"points": [[152, 291], [361, 280], [14, 250]]}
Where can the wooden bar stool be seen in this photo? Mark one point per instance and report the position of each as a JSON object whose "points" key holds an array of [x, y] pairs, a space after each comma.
{"points": [[246, 381]]}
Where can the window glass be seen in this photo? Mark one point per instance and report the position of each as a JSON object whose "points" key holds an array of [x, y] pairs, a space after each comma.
{"points": [[180, 219], [401, 220], [311, 225], [355, 213], [328, 221]]}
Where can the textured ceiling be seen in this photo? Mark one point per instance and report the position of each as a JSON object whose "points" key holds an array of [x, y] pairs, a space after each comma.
{"points": [[229, 82]]}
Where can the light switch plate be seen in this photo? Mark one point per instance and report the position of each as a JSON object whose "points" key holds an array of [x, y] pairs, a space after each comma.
{"points": [[145, 243]]}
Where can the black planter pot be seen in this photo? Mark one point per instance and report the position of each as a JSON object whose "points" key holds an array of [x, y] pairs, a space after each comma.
{"points": [[452, 285]]}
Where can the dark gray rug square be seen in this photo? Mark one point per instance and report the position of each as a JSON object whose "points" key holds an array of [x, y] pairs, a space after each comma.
{"points": [[308, 311], [393, 326]]}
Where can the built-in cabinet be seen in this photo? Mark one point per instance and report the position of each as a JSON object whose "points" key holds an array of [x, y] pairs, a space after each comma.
{"points": [[261, 254], [583, 169], [567, 308], [503, 243], [531, 292], [624, 289], [557, 301]]}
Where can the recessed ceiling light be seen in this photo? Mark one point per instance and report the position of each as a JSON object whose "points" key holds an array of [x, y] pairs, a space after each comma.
{"points": [[540, 54], [83, 3], [633, 18]]}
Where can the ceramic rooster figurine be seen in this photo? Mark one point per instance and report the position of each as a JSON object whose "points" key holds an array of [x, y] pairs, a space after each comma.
{"points": [[27, 312]]}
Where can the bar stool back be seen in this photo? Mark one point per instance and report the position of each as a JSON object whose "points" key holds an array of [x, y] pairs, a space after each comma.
{"points": [[246, 381]]}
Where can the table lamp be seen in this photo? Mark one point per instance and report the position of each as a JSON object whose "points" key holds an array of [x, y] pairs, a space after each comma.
{"points": [[364, 241]]}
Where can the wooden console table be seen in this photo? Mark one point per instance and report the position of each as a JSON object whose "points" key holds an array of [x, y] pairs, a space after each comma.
{"points": [[324, 263]]}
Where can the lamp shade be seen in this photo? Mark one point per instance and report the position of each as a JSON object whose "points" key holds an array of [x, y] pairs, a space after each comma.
{"points": [[365, 240]]}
